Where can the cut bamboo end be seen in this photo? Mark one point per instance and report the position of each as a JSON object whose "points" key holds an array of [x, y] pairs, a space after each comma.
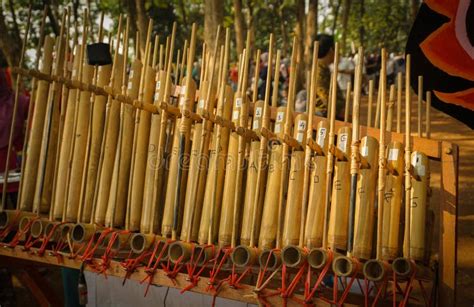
{"points": [[180, 251], [140, 242], [82, 232], [345, 266], [65, 231], [37, 228], [243, 256], [318, 257], [56, 235], [12, 216], [293, 256], [24, 221], [203, 254], [402, 266], [375, 270], [271, 259]]}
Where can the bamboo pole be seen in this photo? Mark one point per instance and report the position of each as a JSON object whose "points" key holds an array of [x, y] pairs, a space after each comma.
{"points": [[141, 138], [37, 123], [110, 137], [419, 105], [399, 100], [348, 101], [389, 108], [428, 115], [406, 242], [371, 97]]}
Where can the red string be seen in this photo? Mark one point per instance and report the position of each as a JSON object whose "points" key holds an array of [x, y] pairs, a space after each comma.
{"points": [[310, 294], [20, 233], [152, 267], [409, 287], [4, 233], [46, 239], [192, 266], [217, 267]]}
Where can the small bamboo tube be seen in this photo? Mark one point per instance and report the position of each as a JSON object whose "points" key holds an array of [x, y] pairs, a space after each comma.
{"points": [[365, 199], [420, 107], [140, 139], [95, 142], [232, 163], [371, 102], [268, 227], [339, 212], [292, 223], [167, 224], [79, 147], [317, 187], [66, 144], [428, 115], [109, 144], [348, 102], [215, 179], [153, 162], [418, 204], [37, 122], [399, 101], [392, 201]]}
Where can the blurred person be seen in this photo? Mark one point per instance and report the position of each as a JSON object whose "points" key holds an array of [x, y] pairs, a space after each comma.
{"points": [[345, 73], [326, 58]]}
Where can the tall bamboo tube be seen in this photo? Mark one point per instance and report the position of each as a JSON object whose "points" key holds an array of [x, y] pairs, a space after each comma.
{"points": [[159, 171], [315, 215], [110, 137], [407, 174], [232, 164], [419, 106], [37, 123], [141, 138], [391, 103], [200, 144], [268, 227], [392, 201], [399, 100], [66, 144], [370, 102], [215, 179], [339, 216], [176, 187], [418, 204], [428, 115], [46, 168]]}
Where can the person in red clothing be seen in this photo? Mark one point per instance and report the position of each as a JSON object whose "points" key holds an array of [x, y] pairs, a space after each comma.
{"points": [[7, 101]]}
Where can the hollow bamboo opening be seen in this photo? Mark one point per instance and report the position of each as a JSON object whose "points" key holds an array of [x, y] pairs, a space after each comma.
{"points": [[374, 270]]}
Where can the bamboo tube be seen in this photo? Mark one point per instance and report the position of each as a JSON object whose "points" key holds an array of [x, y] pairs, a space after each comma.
{"points": [[110, 137], [418, 204], [406, 242], [215, 179], [365, 200], [248, 212], [198, 159], [315, 220], [419, 105], [339, 212], [232, 164], [159, 171], [391, 103], [381, 175], [392, 201], [428, 115], [37, 123], [399, 100], [141, 138], [44, 183], [30, 107], [268, 227], [371, 97], [177, 177], [95, 142], [348, 102], [66, 144], [330, 160], [292, 224], [79, 147]]}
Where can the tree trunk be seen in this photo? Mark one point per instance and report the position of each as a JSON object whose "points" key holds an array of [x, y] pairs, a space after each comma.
{"points": [[345, 18], [336, 14], [299, 32], [142, 24], [213, 17], [361, 24], [311, 30], [10, 45], [283, 29], [239, 25]]}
